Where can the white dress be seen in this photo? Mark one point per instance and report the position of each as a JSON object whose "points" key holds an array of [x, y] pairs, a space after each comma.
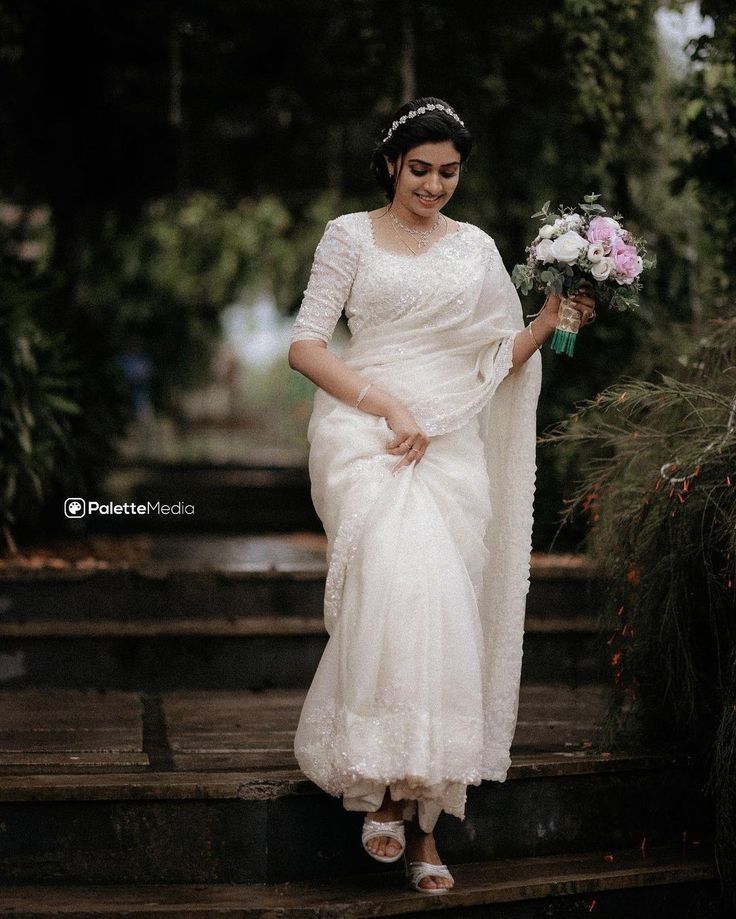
{"points": [[428, 570]]}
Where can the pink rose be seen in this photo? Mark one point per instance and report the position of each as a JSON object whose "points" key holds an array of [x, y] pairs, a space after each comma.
{"points": [[602, 229], [627, 262]]}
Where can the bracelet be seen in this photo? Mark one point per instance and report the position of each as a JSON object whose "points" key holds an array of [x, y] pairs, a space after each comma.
{"points": [[363, 391], [534, 338]]}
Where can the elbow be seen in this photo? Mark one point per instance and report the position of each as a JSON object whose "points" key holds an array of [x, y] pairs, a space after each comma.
{"points": [[295, 351], [299, 348]]}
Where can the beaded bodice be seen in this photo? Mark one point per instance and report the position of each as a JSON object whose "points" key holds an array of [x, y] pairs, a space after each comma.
{"points": [[434, 329], [374, 285]]}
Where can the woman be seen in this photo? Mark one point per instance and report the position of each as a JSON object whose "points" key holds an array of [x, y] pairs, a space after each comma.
{"points": [[422, 462]]}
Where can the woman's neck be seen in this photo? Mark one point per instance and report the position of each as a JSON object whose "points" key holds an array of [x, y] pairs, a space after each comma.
{"points": [[415, 221]]}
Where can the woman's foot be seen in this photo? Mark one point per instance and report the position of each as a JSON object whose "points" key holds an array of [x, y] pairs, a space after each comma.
{"points": [[389, 810], [420, 847]]}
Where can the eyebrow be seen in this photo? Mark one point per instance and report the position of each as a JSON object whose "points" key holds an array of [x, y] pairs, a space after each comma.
{"points": [[443, 166]]}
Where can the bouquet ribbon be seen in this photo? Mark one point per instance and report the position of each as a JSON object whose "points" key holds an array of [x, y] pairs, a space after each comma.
{"points": [[566, 330]]}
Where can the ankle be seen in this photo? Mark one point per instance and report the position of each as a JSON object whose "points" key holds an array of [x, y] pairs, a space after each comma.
{"points": [[388, 809]]}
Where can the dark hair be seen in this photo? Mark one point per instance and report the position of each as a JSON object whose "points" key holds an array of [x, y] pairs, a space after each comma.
{"points": [[429, 126]]}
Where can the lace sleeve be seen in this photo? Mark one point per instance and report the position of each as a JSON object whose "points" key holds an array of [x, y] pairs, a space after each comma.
{"points": [[330, 281]]}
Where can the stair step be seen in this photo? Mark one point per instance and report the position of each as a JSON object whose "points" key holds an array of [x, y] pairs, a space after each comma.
{"points": [[216, 795], [242, 731], [270, 781], [237, 613], [214, 575], [253, 498], [235, 626], [678, 881], [241, 654]]}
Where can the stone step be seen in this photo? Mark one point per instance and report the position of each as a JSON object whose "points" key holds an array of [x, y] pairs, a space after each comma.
{"points": [[232, 626], [215, 575], [216, 796], [227, 497], [674, 881], [213, 612], [238, 653]]}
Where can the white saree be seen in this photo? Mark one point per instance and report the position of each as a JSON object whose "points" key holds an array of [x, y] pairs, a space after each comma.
{"points": [[428, 570]]}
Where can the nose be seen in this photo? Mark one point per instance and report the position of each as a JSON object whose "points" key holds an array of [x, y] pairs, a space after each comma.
{"points": [[433, 185]]}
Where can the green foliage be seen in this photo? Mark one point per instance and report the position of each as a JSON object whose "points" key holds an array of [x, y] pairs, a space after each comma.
{"points": [[190, 160], [660, 493], [35, 405], [51, 431], [707, 104], [608, 47], [164, 279]]}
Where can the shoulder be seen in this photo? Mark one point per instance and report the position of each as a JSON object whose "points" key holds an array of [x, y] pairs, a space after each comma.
{"points": [[349, 224], [345, 233], [482, 239], [485, 245]]}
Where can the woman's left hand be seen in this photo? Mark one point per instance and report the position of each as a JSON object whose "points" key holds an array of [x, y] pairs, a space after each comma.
{"points": [[582, 299]]}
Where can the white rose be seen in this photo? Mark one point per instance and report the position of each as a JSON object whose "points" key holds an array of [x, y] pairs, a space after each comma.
{"points": [[543, 251], [574, 220], [546, 231], [595, 252], [602, 269], [568, 247]]}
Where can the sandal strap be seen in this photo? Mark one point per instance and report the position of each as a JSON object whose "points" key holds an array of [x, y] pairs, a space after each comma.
{"points": [[419, 870], [392, 828]]}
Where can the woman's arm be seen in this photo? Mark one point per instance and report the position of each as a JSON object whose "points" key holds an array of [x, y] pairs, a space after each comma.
{"points": [[330, 281], [524, 345], [314, 360]]}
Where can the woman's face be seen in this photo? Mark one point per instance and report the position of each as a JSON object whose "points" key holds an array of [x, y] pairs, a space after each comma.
{"points": [[428, 177]]}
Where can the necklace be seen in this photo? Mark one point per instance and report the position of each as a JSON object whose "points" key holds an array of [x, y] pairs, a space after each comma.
{"points": [[422, 236]]}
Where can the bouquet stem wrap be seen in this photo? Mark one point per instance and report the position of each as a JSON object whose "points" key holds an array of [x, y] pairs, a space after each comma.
{"points": [[566, 330]]}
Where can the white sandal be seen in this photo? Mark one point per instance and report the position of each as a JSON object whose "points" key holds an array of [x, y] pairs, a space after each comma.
{"points": [[392, 828], [415, 871]]}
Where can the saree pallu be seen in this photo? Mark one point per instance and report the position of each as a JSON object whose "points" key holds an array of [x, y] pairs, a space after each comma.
{"points": [[428, 570]]}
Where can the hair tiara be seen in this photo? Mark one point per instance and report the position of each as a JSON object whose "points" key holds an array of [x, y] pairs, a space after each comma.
{"points": [[420, 111]]}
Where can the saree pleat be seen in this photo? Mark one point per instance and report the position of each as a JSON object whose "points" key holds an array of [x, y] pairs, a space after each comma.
{"points": [[398, 695]]}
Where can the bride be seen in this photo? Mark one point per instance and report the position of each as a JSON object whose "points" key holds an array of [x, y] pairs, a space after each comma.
{"points": [[422, 464]]}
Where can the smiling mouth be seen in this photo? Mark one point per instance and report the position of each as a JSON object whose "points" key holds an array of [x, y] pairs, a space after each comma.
{"points": [[425, 198]]}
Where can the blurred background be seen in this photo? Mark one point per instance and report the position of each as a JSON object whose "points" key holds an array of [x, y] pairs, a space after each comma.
{"points": [[167, 170]]}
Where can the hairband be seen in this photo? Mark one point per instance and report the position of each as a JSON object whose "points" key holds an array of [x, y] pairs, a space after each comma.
{"points": [[420, 111]]}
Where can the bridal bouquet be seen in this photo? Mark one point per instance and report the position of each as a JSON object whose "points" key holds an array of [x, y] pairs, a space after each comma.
{"points": [[578, 247]]}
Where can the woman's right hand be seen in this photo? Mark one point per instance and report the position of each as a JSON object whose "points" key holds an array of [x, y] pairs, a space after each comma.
{"points": [[583, 301], [409, 441]]}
